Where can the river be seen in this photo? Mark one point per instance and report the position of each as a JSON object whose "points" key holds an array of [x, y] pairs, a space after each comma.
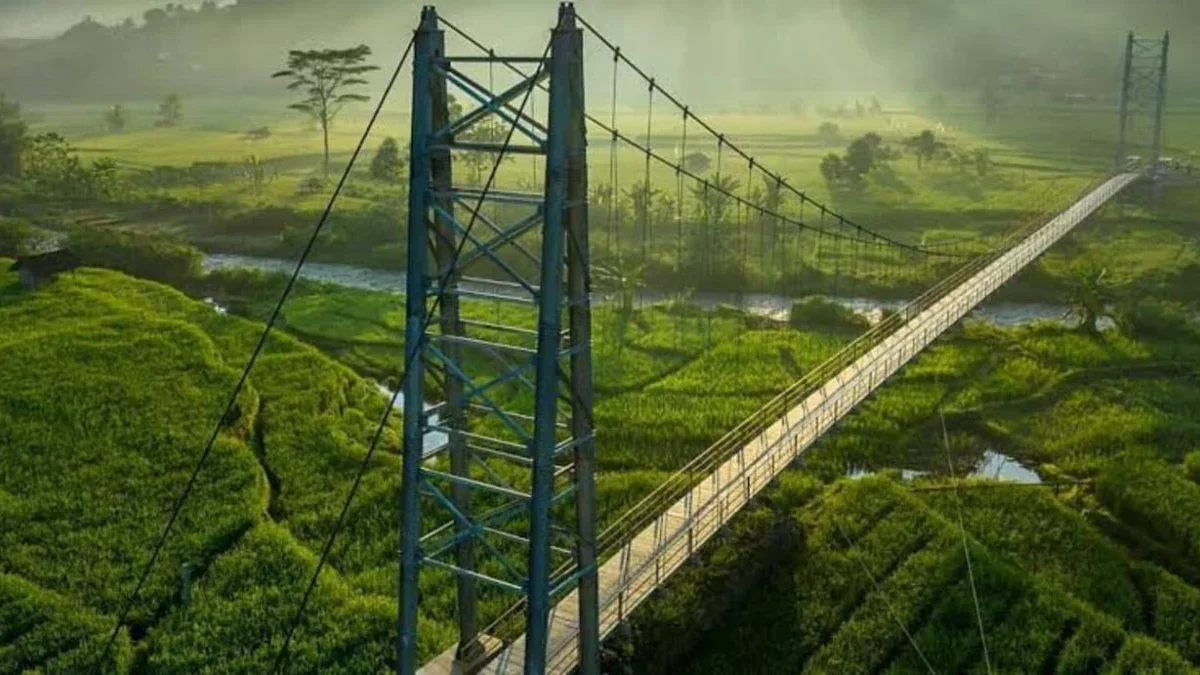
{"points": [[774, 306], [993, 465]]}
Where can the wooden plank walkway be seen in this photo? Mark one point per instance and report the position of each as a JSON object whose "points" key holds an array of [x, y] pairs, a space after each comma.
{"points": [[629, 577]]}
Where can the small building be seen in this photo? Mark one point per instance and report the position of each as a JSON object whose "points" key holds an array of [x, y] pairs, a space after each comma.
{"points": [[36, 270]]}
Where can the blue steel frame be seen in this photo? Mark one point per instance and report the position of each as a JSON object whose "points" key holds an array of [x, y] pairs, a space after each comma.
{"points": [[1143, 93], [487, 443]]}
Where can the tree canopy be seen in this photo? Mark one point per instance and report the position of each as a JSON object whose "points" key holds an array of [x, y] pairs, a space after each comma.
{"points": [[12, 137], [322, 77]]}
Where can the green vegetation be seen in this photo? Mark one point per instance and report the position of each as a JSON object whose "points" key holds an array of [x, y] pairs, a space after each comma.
{"points": [[1156, 501], [323, 76], [12, 138], [110, 384], [273, 487], [14, 234], [872, 555]]}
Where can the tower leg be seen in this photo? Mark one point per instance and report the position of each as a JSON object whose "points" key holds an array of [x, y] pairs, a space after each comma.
{"points": [[579, 293], [1160, 96], [424, 50], [1126, 84]]}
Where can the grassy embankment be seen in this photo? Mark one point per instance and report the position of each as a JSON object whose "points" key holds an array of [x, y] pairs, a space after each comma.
{"points": [[110, 385]]}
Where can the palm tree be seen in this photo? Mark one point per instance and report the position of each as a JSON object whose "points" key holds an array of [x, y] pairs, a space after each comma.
{"points": [[714, 200], [641, 199], [772, 200], [622, 277], [1088, 294]]}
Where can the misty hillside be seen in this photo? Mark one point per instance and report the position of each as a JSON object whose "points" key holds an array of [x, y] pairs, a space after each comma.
{"points": [[760, 45]]}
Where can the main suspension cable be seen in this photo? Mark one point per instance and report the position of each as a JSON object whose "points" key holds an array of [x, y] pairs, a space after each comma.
{"points": [[619, 55]]}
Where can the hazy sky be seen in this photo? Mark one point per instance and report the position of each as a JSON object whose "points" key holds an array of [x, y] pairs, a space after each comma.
{"points": [[42, 18], [722, 51]]}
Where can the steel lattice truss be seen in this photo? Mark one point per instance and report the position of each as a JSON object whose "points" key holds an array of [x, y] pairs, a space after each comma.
{"points": [[498, 437], [1143, 97]]}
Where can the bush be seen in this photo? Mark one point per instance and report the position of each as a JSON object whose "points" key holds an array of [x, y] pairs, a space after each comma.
{"points": [[386, 165], [1155, 498], [13, 236], [240, 282], [311, 186], [829, 133], [1054, 544], [1191, 464], [147, 256], [54, 631], [1151, 318], [1174, 609], [1140, 654], [52, 166], [817, 313]]}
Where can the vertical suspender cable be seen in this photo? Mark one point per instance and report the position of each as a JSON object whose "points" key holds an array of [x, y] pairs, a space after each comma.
{"points": [[614, 193], [679, 210], [647, 202]]}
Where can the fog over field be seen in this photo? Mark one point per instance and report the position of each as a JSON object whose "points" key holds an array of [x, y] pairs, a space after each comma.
{"points": [[231, 335], [717, 50]]}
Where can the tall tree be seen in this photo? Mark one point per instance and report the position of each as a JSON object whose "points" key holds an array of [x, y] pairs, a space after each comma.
{"points": [[862, 155], [170, 111], [12, 138], [114, 118], [925, 146], [833, 169], [387, 164], [487, 131], [623, 278], [1088, 293], [990, 99], [713, 202], [323, 76]]}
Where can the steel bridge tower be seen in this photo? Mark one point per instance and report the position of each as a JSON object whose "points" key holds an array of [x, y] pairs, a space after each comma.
{"points": [[498, 454], [1143, 97]]}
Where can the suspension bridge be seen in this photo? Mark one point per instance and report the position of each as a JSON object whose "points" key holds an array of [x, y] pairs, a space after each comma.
{"points": [[531, 529], [499, 433]]}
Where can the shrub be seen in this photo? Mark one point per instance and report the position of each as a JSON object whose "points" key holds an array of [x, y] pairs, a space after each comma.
{"points": [[159, 258], [1054, 544], [311, 186], [829, 133], [1191, 464], [1174, 608], [54, 631], [1155, 498], [817, 313], [14, 234], [1152, 318], [386, 165], [697, 162], [1140, 654]]}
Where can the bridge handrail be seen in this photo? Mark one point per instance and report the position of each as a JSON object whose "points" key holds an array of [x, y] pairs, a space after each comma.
{"points": [[701, 520], [644, 512]]}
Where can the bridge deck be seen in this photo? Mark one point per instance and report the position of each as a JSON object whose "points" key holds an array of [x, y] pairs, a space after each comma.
{"points": [[629, 577]]}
